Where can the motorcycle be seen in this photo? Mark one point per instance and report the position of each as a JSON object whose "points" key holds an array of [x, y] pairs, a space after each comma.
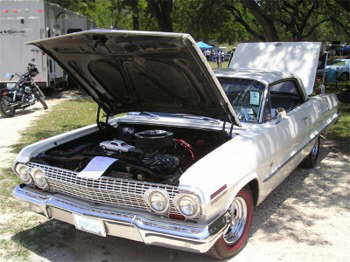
{"points": [[24, 94]]}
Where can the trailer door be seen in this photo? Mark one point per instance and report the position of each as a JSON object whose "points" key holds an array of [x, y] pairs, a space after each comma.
{"points": [[15, 31]]}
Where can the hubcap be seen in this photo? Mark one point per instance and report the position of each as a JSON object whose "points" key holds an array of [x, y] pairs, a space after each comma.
{"points": [[238, 211]]}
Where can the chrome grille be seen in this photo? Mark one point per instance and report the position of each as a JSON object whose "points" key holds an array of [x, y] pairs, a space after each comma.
{"points": [[105, 190]]}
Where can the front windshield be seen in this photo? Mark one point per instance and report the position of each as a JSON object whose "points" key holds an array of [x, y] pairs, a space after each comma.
{"points": [[245, 95]]}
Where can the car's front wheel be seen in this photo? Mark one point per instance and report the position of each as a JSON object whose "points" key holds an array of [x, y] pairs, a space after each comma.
{"points": [[236, 236]]}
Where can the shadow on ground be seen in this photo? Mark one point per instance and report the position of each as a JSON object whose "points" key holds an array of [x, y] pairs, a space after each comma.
{"points": [[282, 216], [22, 112], [288, 207], [57, 241]]}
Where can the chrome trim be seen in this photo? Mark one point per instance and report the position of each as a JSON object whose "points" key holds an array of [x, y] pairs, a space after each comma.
{"points": [[287, 161], [193, 198], [164, 193], [299, 151], [131, 225], [105, 190]]}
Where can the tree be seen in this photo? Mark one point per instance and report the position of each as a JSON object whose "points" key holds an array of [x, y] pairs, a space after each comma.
{"points": [[161, 10], [282, 19], [224, 20]]}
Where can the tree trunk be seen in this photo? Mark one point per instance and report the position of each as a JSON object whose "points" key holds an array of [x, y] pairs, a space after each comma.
{"points": [[136, 18], [267, 24], [161, 10]]}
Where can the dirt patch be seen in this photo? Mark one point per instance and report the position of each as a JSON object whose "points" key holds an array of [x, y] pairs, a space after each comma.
{"points": [[11, 128]]}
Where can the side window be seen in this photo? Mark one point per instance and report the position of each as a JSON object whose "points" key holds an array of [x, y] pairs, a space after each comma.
{"points": [[284, 95], [281, 95]]}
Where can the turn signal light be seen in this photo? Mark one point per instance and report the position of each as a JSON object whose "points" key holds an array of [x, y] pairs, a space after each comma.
{"points": [[177, 216]]}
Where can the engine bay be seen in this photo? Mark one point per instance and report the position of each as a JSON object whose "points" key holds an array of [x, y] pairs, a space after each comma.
{"points": [[144, 153]]}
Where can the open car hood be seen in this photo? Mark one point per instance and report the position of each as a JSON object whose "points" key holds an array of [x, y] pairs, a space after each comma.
{"points": [[135, 71], [299, 58]]}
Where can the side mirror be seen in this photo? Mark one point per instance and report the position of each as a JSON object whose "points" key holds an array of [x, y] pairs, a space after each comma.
{"points": [[281, 114]]}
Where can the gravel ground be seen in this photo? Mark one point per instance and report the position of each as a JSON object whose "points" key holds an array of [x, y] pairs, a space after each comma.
{"points": [[307, 218]]}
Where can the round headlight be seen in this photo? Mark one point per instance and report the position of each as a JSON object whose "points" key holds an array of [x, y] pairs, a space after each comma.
{"points": [[23, 173], [39, 178], [157, 200], [188, 205]]}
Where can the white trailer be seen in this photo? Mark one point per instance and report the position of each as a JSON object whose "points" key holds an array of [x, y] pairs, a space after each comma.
{"points": [[26, 20]]}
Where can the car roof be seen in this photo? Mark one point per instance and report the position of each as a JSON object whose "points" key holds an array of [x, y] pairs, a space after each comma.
{"points": [[266, 77]]}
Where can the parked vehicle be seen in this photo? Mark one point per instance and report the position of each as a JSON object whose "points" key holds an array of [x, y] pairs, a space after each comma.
{"points": [[23, 21], [226, 141], [339, 70], [23, 94]]}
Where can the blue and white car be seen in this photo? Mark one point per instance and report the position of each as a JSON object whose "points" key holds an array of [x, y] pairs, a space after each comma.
{"points": [[339, 70]]}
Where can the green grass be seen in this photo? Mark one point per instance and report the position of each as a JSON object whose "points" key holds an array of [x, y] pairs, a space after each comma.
{"points": [[66, 116], [340, 132], [7, 182], [214, 65]]}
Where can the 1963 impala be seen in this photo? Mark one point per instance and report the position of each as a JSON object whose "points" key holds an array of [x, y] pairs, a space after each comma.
{"points": [[201, 151]]}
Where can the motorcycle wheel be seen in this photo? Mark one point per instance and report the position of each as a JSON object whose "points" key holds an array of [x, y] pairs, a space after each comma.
{"points": [[5, 109], [42, 101], [40, 96]]}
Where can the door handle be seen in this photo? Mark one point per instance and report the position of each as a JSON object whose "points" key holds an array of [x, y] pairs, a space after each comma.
{"points": [[306, 120]]}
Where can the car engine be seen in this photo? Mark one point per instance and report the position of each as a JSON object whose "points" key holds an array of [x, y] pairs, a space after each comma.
{"points": [[153, 155]]}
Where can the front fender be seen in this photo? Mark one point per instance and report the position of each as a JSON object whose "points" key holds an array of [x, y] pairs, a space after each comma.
{"points": [[232, 165]]}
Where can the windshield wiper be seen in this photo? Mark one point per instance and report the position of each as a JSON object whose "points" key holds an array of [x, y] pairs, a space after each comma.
{"points": [[144, 114]]}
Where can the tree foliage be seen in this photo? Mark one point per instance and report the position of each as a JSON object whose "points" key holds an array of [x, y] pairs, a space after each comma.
{"points": [[224, 20]]}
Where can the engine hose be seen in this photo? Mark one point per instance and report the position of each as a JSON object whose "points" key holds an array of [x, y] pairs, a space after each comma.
{"points": [[187, 146]]}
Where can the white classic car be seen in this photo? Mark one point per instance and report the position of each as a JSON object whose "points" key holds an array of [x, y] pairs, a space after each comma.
{"points": [[116, 145], [208, 148]]}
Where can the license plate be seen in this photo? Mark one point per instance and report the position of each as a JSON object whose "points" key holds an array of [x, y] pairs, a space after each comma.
{"points": [[90, 225]]}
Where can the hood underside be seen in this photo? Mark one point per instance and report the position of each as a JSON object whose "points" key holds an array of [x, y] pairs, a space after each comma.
{"points": [[298, 58], [135, 71]]}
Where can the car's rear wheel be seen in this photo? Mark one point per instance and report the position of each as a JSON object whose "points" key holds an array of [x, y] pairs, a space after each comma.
{"points": [[311, 160], [344, 76], [235, 238]]}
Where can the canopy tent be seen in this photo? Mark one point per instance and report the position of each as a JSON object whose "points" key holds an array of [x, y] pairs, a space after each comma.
{"points": [[203, 45]]}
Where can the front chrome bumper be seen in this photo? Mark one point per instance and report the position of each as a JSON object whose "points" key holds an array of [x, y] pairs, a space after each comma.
{"points": [[126, 224]]}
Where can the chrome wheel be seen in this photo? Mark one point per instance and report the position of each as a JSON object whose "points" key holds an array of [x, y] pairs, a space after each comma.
{"points": [[238, 211]]}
